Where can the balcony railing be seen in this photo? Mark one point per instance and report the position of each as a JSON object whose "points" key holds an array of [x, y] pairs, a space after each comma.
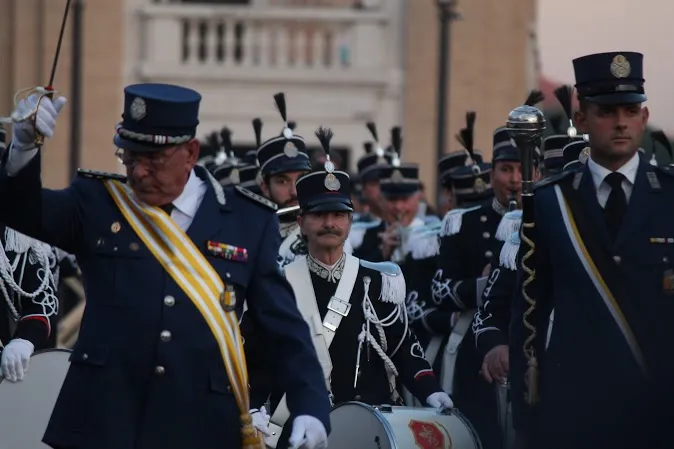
{"points": [[249, 43]]}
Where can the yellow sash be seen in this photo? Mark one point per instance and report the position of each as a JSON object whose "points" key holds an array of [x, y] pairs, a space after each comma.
{"points": [[201, 283]]}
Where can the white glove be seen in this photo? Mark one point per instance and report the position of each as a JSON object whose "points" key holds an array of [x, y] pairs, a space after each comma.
{"points": [[308, 433], [15, 359], [440, 400], [261, 421], [45, 120]]}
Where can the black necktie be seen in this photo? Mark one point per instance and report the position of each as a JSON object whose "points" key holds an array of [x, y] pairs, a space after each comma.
{"points": [[616, 206], [168, 208]]}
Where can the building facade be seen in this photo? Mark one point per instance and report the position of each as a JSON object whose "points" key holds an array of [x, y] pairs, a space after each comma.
{"points": [[340, 63]]}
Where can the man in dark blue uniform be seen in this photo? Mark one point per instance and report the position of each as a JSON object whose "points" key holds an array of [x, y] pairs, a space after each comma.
{"points": [[157, 363], [603, 260]]}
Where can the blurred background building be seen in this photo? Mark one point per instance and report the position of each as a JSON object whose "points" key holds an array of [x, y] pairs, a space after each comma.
{"points": [[340, 63]]}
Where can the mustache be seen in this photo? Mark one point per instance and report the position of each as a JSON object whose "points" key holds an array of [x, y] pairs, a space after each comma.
{"points": [[330, 231]]}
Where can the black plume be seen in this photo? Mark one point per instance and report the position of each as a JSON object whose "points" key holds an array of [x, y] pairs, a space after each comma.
{"points": [[373, 130], [280, 99], [466, 136], [257, 127], [226, 139], [324, 136], [213, 141], [535, 97], [368, 147], [661, 137], [292, 125], [397, 140], [564, 95]]}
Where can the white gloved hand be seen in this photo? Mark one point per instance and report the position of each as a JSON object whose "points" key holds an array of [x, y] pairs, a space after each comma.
{"points": [[308, 433], [261, 421], [440, 400], [15, 359], [45, 120]]}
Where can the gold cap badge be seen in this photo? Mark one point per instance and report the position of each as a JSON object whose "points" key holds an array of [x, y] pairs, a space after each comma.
{"points": [[115, 227], [290, 150], [620, 67], [479, 185]]}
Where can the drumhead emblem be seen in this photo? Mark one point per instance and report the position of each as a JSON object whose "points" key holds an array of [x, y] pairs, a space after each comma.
{"points": [[428, 435]]}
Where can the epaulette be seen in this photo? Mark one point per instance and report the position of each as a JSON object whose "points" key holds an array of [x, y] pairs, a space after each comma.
{"points": [[94, 174], [554, 179], [423, 241], [508, 255], [393, 287], [451, 223], [257, 198], [510, 223]]}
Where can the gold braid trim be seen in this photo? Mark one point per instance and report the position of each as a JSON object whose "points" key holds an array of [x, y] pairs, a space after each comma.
{"points": [[531, 376]]}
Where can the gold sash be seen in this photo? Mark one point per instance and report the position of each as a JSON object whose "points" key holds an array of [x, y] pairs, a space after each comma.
{"points": [[201, 283]]}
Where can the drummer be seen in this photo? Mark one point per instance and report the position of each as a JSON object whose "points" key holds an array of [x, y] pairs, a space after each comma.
{"points": [[30, 304], [355, 308]]}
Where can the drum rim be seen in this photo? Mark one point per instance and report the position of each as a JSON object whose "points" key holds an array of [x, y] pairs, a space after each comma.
{"points": [[380, 416], [469, 426], [44, 351]]}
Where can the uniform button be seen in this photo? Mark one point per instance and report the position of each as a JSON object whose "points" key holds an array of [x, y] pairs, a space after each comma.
{"points": [[169, 301], [227, 275], [85, 356], [357, 398], [165, 336], [617, 259], [159, 370], [665, 259], [486, 235], [483, 218], [488, 254]]}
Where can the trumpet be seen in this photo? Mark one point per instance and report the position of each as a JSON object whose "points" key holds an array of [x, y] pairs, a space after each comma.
{"points": [[512, 201]]}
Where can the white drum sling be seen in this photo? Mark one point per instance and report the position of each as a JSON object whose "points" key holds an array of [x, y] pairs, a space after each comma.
{"points": [[26, 406], [358, 425]]}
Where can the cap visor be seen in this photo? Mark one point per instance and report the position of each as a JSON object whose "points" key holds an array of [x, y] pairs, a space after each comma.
{"points": [[328, 207], [131, 145], [617, 98], [286, 167]]}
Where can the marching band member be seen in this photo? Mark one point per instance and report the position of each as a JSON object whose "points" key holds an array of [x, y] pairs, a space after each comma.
{"points": [[355, 308], [604, 261], [28, 287], [283, 159], [167, 259], [467, 247]]}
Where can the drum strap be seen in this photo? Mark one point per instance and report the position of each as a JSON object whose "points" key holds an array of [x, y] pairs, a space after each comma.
{"points": [[192, 272], [339, 306], [452, 349]]}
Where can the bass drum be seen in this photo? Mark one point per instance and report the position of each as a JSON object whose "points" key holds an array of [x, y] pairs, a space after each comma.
{"points": [[358, 425], [26, 406]]}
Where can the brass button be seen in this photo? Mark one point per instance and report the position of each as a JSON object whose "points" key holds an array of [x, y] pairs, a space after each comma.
{"points": [[169, 301], [488, 254], [486, 235], [165, 336], [617, 259], [159, 370]]}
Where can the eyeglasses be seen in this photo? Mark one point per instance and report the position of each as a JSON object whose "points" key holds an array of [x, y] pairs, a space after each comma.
{"points": [[153, 161]]}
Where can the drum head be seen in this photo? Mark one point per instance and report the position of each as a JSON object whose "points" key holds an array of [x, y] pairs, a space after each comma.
{"points": [[26, 406], [357, 425]]}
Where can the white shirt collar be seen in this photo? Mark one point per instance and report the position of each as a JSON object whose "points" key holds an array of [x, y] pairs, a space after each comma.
{"points": [[189, 200], [599, 173]]}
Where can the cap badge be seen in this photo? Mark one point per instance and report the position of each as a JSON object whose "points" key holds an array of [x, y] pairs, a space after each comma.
{"points": [[138, 109], [584, 155], [479, 185], [396, 176], [234, 176], [290, 150], [331, 182], [620, 67]]}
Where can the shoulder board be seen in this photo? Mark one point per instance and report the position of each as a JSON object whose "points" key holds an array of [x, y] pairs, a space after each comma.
{"points": [[451, 223], [667, 170], [423, 242], [552, 180], [94, 174], [388, 268], [257, 198]]}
